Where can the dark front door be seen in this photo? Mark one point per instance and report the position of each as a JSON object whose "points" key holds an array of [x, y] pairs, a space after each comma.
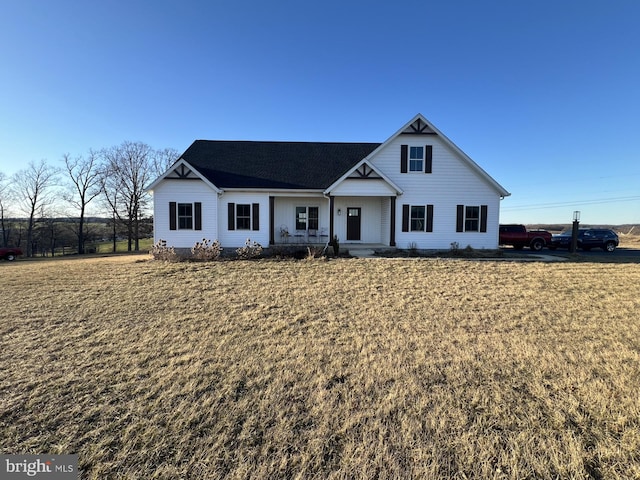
{"points": [[353, 223]]}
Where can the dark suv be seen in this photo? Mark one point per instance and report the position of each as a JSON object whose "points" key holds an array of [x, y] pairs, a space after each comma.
{"points": [[588, 238]]}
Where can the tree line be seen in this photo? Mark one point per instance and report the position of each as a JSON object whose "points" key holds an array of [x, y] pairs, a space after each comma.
{"points": [[109, 182]]}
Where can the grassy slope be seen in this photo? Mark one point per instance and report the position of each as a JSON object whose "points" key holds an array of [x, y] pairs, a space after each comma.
{"points": [[339, 369]]}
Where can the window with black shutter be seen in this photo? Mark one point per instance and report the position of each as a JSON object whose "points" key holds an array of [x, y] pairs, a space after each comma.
{"points": [[417, 218], [471, 218]]}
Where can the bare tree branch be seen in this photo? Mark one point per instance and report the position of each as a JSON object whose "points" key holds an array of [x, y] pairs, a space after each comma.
{"points": [[32, 188], [85, 176]]}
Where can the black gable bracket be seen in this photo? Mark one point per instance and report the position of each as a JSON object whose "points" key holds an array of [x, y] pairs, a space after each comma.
{"points": [[364, 171], [419, 128], [182, 171]]}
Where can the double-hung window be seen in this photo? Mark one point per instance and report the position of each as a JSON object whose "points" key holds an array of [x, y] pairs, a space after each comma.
{"points": [[416, 159], [306, 218], [471, 218], [417, 218], [185, 216], [243, 216]]}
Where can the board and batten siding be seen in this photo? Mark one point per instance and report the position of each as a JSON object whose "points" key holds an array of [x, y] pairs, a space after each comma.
{"points": [[371, 218], [184, 191], [452, 182], [363, 188], [285, 214]]}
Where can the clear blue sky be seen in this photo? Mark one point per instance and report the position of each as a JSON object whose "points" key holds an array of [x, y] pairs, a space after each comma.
{"points": [[544, 95]]}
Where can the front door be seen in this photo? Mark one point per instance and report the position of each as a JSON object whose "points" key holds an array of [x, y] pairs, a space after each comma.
{"points": [[353, 223]]}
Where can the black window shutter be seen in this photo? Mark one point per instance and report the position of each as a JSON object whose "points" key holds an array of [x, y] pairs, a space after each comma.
{"points": [[173, 215], [460, 219], [231, 211], [256, 216], [483, 218], [429, 218], [197, 213], [404, 149], [405, 218], [428, 158]]}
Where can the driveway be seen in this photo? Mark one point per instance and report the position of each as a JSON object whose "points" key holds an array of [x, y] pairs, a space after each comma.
{"points": [[620, 255]]}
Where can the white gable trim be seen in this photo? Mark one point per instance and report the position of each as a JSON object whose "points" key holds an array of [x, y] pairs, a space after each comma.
{"points": [[465, 158], [361, 163], [186, 172]]}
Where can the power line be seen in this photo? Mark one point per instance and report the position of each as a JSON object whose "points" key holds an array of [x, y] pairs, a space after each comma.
{"points": [[567, 204]]}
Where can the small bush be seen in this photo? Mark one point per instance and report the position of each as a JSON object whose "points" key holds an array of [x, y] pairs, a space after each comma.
{"points": [[335, 243], [160, 251], [314, 252], [250, 250], [206, 251]]}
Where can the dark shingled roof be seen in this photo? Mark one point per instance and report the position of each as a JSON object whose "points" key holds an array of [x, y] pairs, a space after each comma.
{"points": [[245, 164]]}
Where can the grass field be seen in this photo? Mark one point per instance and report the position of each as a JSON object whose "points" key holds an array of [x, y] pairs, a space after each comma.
{"points": [[354, 368]]}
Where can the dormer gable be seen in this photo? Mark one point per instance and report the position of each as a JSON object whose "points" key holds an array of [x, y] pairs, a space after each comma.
{"points": [[364, 171], [181, 170]]}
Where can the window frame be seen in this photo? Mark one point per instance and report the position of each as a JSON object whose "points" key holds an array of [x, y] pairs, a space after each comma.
{"points": [[244, 218], [467, 221], [416, 164], [309, 221], [417, 220], [412, 222], [471, 222], [184, 220]]}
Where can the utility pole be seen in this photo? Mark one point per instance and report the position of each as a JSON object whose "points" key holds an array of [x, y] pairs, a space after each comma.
{"points": [[574, 232]]}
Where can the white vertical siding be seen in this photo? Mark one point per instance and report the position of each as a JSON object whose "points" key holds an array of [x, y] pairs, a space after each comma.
{"points": [[285, 215], [370, 216], [363, 188]]}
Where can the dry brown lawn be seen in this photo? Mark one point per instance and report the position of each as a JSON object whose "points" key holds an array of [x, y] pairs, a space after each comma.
{"points": [[350, 369], [629, 240]]}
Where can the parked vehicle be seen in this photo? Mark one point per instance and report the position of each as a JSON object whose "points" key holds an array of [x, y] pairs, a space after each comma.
{"points": [[588, 238], [10, 253], [520, 237]]}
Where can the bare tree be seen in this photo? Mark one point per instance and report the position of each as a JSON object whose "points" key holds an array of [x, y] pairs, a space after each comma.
{"points": [[32, 188], [162, 160], [85, 176], [4, 199], [128, 170]]}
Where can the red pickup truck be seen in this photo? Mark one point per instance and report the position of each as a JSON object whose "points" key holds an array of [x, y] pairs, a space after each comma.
{"points": [[520, 237], [9, 253]]}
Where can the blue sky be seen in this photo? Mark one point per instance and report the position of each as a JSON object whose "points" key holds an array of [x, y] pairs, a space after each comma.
{"points": [[545, 96]]}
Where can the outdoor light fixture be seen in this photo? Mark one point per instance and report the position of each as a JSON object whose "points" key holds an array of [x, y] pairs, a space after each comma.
{"points": [[576, 216], [339, 212]]}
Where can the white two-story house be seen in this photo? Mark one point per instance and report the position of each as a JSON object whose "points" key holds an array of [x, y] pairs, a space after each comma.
{"points": [[415, 190]]}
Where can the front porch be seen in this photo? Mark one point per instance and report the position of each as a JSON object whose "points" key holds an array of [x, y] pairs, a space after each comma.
{"points": [[354, 220]]}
